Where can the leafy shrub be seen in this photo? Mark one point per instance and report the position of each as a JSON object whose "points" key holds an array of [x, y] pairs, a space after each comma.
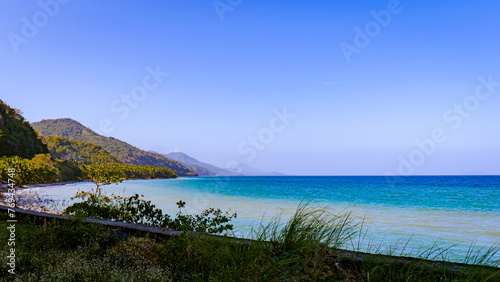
{"points": [[134, 209]]}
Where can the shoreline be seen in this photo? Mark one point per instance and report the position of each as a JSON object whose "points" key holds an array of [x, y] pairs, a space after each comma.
{"points": [[62, 183], [51, 184]]}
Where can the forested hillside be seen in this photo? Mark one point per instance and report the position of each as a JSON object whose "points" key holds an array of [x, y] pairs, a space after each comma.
{"points": [[87, 153], [123, 151], [25, 159], [17, 138]]}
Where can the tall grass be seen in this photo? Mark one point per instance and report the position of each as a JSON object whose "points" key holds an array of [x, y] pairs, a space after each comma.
{"points": [[309, 227], [297, 249]]}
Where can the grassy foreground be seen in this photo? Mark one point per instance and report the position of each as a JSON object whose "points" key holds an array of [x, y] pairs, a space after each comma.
{"points": [[296, 250]]}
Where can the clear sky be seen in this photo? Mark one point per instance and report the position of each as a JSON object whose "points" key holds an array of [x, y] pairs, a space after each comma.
{"points": [[300, 87]]}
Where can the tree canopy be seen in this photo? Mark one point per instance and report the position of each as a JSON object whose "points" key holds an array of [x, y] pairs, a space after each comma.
{"points": [[17, 138], [84, 152]]}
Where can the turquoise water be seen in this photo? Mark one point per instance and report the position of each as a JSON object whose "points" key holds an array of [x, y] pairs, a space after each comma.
{"points": [[451, 211]]}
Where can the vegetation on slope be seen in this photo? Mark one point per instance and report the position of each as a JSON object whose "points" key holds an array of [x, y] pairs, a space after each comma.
{"points": [[17, 138], [83, 152], [113, 171], [41, 169], [123, 151]]}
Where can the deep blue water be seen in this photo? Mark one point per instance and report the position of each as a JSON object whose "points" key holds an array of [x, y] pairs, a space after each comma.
{"points": [[463, 193]]}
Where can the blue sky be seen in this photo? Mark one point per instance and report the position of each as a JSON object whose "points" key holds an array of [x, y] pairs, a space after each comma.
{"points": [[409, 76]]}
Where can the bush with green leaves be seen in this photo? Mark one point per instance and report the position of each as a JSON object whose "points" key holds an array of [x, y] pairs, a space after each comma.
{"points": [[135, 209]]}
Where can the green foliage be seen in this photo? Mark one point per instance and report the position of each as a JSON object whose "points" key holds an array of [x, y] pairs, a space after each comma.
{"points": [[211, 221], [77, 251], [124, 152], [45, 169], [69, 170], [133, 171], [84, 152], [308, 228], [134, 209], [71, 234], [102, 175], [125, 209], [17, 138], [41, 169]]}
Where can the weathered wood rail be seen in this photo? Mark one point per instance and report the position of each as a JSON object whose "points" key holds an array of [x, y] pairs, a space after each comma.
{"points": [[42, 218]]}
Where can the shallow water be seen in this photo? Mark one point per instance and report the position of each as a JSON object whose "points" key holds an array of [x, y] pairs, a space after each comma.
{"points": [[450, 211]]}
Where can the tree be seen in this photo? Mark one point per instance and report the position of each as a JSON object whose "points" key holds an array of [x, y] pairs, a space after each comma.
{"points": [[44, 169], [101, 175]]}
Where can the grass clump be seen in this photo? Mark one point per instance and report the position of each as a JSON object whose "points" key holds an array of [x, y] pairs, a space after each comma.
{"points": [[308, 228]]}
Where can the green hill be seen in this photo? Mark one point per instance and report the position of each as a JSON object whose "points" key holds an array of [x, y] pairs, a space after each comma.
{"points": [[123, 151], [87, 153], [17, 138]]}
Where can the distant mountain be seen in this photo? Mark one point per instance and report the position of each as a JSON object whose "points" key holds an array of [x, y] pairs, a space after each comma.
{"points": [[206, 169], [202, 171], [252, 171], [62, 148], [123, 151], [201, 168], [17, 137]]}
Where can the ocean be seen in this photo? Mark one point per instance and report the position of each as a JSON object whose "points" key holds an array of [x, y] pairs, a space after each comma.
{"points": [[400, 215]]}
